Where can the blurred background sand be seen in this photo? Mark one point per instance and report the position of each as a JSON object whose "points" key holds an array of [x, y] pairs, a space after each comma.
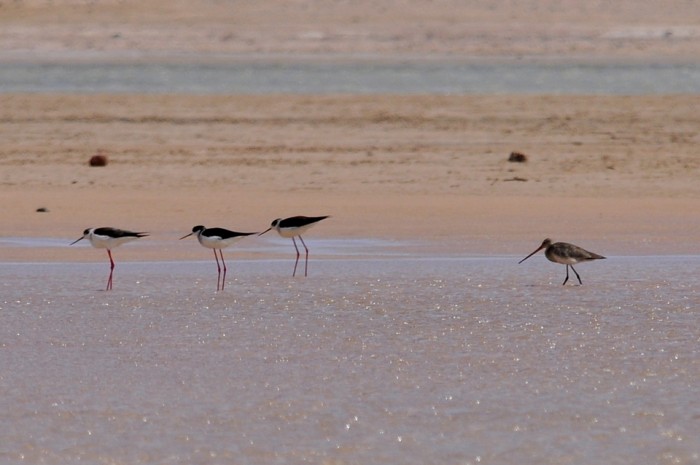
{"points": [[617, 174], [622, 30]]}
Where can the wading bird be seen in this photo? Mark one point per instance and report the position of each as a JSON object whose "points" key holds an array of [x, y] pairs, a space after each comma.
{"points": [[217, 239], [293, 227], [566, 254], [109, 238]]}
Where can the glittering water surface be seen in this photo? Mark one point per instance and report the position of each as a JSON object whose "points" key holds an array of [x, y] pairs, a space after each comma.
{"points": [[407, 360]]}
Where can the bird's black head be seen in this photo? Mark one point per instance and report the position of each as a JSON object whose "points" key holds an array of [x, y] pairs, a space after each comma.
{"points": [[198, 228], [86, 232], [275, 222]]}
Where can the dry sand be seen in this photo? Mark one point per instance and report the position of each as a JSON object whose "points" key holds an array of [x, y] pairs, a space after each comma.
{"points": [[615, 174]]}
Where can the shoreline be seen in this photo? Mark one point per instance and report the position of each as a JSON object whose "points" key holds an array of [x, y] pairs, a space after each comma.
{"points": [[447, 225], [611, 174]]}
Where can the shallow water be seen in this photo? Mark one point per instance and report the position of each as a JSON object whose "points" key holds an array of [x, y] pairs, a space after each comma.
{"points": [[404, 360], [360, 77]]}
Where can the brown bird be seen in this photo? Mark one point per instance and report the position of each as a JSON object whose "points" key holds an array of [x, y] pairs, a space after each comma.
{"points": [[566, 254]]}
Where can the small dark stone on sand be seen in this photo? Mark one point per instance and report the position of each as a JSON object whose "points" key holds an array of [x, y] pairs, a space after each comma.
{"points": [[517, 157], [98, 160]]}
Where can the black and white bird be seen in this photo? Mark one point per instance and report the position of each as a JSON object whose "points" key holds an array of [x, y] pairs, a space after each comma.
{"points": [[109, 238], [293, 227], [217, 239]]}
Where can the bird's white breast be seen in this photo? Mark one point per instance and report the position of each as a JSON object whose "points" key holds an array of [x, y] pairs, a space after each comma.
{"points": [[106, 242], [215, 242], [291, 232]]}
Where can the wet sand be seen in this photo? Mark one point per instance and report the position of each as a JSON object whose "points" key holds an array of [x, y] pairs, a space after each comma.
{"points": [[613, 174]]}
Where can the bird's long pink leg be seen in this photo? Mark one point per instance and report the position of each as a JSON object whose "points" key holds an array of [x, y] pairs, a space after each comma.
{"points": [[111, 270], [306, 263], [297, 261], [218, 269]]}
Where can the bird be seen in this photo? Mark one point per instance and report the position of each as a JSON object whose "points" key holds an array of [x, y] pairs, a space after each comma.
{"points": [[109, 238], [566, 254], [295, 226], [217, 239]]}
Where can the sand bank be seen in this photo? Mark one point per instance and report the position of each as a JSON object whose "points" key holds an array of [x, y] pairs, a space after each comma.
{"points": [[617, 174]]}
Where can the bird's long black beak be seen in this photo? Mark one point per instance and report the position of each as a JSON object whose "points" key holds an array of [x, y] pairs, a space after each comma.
{"points": [[79, 239], [264, 232], [533, 253], [186, 235]]}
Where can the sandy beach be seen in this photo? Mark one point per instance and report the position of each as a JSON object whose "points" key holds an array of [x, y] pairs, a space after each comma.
{"points": [[618, 173]]}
